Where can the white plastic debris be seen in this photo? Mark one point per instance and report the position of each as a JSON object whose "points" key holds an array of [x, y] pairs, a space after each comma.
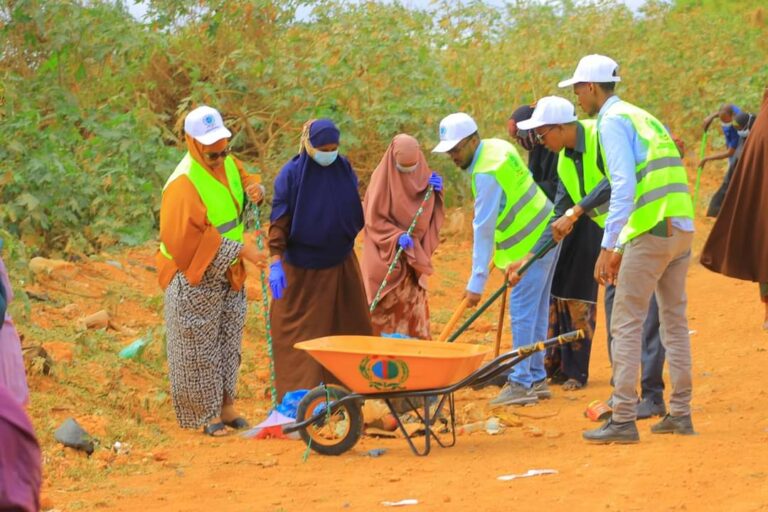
{"points": [[401, 503], [529, 473]]}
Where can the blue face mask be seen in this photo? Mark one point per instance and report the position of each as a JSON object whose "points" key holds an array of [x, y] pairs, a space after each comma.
{"points": [[325, 158]]}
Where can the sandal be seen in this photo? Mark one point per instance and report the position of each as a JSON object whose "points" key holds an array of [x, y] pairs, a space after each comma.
{"points": [[238, 423], [215, 430], [572, 385]]}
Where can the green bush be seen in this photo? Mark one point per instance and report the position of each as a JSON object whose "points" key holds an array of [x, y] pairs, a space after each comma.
{"points": [[93, 99]]}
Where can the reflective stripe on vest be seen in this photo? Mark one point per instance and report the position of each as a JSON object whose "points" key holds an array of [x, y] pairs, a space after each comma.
{"points": [[223, 209], [527, 210], [662, 181], [592, 175]]}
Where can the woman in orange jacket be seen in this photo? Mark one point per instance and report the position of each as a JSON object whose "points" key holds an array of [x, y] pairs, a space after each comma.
{"points": [[200, 267]]}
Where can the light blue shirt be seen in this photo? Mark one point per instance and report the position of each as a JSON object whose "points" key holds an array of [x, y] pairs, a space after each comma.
{"points": [[623, 151], [489, 201]]}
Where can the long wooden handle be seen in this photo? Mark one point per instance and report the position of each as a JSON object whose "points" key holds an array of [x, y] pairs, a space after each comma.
{"points": [[500, 326], [453, 321]]}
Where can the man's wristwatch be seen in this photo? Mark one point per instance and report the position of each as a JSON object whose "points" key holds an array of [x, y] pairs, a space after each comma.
{"points": [[570, 214], [618, 250]]}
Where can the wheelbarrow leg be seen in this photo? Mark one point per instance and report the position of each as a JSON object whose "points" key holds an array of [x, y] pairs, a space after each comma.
{"points": [[452, 421], [428, 421], [424, 421]]}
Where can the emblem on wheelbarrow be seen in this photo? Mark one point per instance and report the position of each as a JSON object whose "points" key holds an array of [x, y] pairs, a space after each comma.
{"points": [[384, 372]]}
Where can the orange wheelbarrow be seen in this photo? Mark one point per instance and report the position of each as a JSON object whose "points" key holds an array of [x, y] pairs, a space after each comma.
{"points": [[422, 374]]}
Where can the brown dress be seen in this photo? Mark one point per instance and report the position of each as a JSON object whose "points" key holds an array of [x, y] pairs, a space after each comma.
{"points": [[317, 303], [738, 243]]}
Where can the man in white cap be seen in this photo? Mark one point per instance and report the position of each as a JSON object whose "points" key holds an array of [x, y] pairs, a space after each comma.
{"points": [[586, 191], [582, 191], [511, 213], [646, 246]]}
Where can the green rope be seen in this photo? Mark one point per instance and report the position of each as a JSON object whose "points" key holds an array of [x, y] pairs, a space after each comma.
{"points": [[305, 457], [702, 149], [265, 307], [392, 265]]}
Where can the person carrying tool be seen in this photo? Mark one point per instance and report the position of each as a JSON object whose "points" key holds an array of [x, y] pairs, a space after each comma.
{"points": [[584, 191], [511, 213], [743, 123], [726, 113], [646, 245], [395, 193]]}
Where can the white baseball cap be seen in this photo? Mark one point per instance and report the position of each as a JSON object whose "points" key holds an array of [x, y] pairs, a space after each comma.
{"points": [[594, 68], [205, 125], [550, 110], [453, 128]]}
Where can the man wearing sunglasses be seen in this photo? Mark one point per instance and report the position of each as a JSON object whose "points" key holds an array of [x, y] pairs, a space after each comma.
{"points": [[584, 191], [511, 213], [646, 246]]}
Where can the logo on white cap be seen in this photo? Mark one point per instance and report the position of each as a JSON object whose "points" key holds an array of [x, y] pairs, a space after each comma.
{"points": [[550, 110], [205, 125], [594, 68], [453, 129]]}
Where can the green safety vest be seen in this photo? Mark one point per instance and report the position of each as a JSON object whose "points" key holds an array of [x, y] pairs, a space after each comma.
{"points": [[662, 181], [527, 210], [566, 170], [222, 212]]}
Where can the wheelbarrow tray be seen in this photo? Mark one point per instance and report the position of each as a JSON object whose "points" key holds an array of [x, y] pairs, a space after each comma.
{"points": [[441, 370], [369, 364]]}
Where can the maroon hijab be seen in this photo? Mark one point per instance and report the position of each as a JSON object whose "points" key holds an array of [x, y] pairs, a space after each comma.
{"points": [[391, 202]]}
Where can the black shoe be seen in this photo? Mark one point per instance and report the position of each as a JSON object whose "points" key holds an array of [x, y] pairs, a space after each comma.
{"points": [[648, 408], [612, 432], [674, 425]]}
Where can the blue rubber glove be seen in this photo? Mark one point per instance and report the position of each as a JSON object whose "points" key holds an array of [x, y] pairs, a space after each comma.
{"points": [[277, 282], [436, 181], [405, 241]]}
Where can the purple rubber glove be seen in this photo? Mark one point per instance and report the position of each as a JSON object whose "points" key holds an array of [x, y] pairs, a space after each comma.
{"points": [[277, 281], [405, 241], [436, 181]]}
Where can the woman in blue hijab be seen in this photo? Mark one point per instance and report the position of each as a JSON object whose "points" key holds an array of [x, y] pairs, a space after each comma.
{"points": [[317, 288]]}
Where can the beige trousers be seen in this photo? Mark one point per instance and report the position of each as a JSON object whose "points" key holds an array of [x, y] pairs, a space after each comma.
{"points": [[651, 263]]}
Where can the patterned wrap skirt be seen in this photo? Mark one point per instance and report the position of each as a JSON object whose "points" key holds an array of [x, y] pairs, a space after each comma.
{"points": [[403, 310], [204, 329]]}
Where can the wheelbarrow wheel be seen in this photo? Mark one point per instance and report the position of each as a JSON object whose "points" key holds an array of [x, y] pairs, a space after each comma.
{"points": [[337, 431]]}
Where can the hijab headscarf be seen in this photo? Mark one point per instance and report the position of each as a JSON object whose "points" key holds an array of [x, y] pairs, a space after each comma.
{"points": [[323, 202], [391, 202]]}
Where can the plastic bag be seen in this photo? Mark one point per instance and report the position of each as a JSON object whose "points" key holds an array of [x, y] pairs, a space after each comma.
{"points": [[290, 403]]}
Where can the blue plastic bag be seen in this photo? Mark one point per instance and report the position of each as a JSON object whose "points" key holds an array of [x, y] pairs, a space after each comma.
{"points": [[290, 403], [395, 335]]}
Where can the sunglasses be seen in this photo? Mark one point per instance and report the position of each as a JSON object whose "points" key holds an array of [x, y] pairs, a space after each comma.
{"points": [[540, 136], [216, 156]]}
